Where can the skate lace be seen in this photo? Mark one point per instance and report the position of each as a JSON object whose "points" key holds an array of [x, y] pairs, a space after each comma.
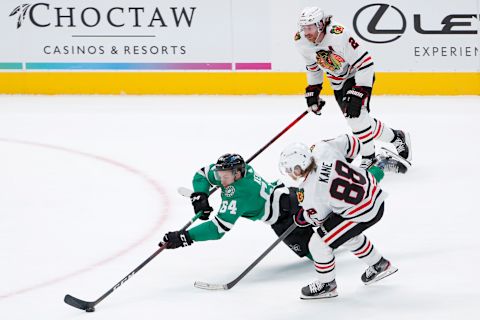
{"points": [[370, 271], [399, 144], [315, 287]]}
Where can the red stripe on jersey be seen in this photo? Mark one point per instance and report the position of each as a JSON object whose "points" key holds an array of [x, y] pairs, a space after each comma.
{"points": [[367, 59], [349, 223], [353, 148], [366, 249], [365, 136], [379, 129], [326, 267], [366, 204], [335, 78]]}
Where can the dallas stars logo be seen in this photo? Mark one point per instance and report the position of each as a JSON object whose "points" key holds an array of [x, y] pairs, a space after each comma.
{"points": [[229, 191]]}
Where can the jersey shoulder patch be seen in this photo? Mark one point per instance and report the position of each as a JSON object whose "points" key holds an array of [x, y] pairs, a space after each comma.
{"points": [[337, 29], [297, 36], [229, 191]]}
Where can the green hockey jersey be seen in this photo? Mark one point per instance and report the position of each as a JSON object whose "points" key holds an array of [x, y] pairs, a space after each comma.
{"points": [[248, 197]]}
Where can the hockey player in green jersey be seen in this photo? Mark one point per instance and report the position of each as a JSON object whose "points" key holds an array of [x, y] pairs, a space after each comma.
{"points": [[244, 194]]}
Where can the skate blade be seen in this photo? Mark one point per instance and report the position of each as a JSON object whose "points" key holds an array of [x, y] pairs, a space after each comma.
{"points": [[382, 275], [409, 145], [395, 156], [331, 294]]}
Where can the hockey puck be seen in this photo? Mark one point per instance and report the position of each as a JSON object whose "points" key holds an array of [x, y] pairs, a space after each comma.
{"points": [[90, 309]]}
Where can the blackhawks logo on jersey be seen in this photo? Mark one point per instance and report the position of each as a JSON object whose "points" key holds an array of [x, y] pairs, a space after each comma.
{"points": [[229, 191], [329, 60], [336, 29], [300, 195]]}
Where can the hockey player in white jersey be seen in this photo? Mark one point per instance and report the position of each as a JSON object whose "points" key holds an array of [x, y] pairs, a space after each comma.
{"points": [[327, 46], [342, 201]]}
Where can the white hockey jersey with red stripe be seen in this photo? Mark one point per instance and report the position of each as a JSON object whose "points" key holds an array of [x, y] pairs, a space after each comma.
{"points": [[340, 55], [338, 187]]}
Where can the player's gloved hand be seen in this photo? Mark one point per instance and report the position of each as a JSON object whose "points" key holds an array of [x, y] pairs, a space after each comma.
{"points": [[200, 203], [315, 218], [312, 95], [176, 239], [299, 219], [354, 99]]}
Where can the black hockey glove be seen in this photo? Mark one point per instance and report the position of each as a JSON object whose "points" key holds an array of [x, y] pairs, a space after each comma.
{"points": [[299, 219], [314, 102], [176, 239], [200, 203], [353, 101]]}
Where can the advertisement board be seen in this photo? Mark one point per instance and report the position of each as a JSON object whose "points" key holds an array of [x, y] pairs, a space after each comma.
{"points": [[407, 36], [230, 43]]}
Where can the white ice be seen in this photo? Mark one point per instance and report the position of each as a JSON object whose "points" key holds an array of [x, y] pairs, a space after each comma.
{"points": [[88, 188]]}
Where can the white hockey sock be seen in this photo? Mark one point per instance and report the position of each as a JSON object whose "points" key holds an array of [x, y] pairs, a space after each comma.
{"points": [[323, 258], [381, 131], [362, 129], [325, 270], [363, 249]]}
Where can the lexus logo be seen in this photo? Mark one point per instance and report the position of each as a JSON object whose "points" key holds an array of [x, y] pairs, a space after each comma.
{"points": [[393, 23], [396, 19]]}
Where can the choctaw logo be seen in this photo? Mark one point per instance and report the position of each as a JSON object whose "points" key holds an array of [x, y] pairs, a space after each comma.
{"points": [[329, 60], [21, 11], [229, 191], [44, 15], [336, 29], [300, 196]]}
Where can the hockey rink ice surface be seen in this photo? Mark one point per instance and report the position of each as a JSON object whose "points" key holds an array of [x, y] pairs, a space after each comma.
{"points": [[88, 189]]}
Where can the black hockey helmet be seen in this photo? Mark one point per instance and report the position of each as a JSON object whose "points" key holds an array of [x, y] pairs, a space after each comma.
{"points": [[231, 161]]}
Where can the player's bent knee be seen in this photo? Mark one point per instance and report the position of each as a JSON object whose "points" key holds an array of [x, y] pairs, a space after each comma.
{"points": [[318, 248]]}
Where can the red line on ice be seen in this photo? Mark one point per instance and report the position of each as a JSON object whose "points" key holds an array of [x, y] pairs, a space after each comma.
{"points": [[158, 188]]}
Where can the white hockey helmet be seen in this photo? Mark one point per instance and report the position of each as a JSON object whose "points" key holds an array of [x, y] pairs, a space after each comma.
{"points": [[312, 15], [295, 156]]}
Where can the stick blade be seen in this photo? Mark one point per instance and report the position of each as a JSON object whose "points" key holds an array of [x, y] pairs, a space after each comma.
{"points": [[184, 192], [77, 303], [210, 286]]}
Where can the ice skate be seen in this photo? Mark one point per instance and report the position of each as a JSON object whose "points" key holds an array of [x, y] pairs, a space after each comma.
{"points": [[402, 144], [319, 290], [367, 161], [378, 271], [390, 162]]}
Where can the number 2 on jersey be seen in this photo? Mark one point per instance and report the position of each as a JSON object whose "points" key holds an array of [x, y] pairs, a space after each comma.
{"points": [[353, 43], [350, 189]]}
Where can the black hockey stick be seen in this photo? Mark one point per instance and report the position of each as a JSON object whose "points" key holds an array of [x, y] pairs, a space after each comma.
{"points": [[231, 284], [89, 306], [304, 113]]}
